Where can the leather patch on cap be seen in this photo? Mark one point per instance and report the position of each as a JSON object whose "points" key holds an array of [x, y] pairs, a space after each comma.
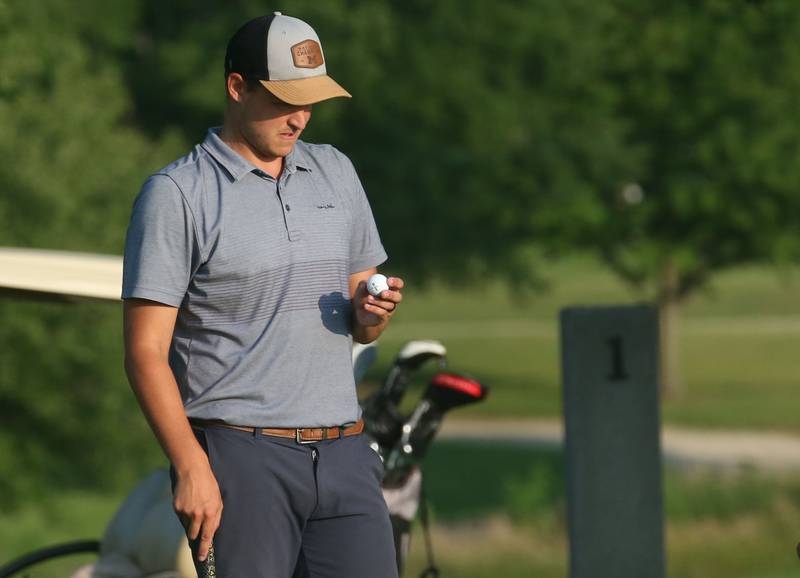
{"points": [[307, 54]]}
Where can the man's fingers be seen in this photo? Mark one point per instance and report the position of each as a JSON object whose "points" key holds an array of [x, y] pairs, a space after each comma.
{"points": [[194, 526], [388, 302], [393, 296], [375, 309], [204, 546], [199, 506], [210, 525], [395, 282], [379, 307]]}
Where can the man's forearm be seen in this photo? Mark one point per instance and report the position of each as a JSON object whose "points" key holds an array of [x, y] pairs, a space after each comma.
{"points": [[157, 392], [197, 500], [367, 334]]}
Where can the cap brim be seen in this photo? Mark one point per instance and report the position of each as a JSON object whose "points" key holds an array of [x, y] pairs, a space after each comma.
{"points": [[305, 90]]}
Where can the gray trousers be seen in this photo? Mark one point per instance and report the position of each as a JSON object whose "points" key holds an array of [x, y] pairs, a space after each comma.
{"points": [[292, 510]]}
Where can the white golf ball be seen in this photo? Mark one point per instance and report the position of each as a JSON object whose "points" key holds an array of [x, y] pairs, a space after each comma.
{"points": [[376, 284]]}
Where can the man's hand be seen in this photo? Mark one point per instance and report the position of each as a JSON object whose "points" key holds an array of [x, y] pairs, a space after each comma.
{"points": [[371, 311], [198, 504], [371, 314]]}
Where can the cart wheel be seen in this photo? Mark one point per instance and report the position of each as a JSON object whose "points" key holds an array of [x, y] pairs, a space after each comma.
{"points": [[50, 559]]}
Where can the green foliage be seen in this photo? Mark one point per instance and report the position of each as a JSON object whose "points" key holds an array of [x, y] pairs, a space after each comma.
{"points": [[73, 163], [69, 419], [480, 119], [704, 92], [76, 161]]}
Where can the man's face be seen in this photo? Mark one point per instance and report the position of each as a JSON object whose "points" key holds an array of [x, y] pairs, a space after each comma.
{"points": [[271, 126]]}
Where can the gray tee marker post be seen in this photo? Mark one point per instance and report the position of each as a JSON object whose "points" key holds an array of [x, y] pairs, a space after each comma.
{"points": [[613, 451]]}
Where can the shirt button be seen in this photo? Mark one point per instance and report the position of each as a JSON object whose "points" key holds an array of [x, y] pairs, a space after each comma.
{"points": [[288, 208]]}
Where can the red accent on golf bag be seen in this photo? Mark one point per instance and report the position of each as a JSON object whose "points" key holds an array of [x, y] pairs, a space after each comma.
{"points": [[460, 383]]}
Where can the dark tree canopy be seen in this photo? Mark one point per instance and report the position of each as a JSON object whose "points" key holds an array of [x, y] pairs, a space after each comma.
{"points": [[707, 97]]}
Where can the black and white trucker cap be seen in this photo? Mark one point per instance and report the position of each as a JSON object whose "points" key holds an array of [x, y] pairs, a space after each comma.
{"points": [[285, 54]]}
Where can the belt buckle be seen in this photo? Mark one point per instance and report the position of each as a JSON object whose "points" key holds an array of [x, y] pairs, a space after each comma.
{"points": [[299, 440]]}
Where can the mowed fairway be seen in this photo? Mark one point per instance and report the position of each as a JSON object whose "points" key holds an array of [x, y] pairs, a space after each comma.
{"points": [[739, 343]]}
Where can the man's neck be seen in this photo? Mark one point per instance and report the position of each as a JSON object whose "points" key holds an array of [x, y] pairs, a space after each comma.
{"points": [[270, 165]]}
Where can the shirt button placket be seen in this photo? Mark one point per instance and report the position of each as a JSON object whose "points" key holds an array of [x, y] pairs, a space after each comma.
{"points": [[292, 232]]}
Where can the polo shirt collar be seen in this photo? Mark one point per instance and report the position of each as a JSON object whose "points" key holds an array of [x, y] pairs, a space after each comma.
{"points": [[237, 166], [231, 161], [297, 159]]}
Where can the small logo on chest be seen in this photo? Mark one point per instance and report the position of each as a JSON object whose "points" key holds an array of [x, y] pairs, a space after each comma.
{"points": [[326, 206]]}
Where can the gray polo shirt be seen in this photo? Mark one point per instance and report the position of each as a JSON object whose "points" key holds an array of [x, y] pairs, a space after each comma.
{"points": [[258, 270]]}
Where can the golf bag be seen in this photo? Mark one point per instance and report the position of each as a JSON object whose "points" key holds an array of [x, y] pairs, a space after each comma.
{"points": [[402, 440]]}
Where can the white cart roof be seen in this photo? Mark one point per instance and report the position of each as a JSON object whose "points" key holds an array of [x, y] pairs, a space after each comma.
{"points": [[59, 274]]}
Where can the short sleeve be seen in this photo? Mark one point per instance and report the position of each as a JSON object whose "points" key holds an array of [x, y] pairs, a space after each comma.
{"points": [[366, 249], [161, 249]]}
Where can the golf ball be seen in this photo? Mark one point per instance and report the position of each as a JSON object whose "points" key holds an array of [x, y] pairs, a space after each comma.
{"points": [[376, 284]]}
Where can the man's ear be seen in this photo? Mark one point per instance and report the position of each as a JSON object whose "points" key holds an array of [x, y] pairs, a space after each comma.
{"points": [[236, 86]]}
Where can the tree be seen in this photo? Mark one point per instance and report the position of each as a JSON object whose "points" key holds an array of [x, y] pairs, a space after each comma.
{"points": [[706, 93], [483, 115], [72, 165]]}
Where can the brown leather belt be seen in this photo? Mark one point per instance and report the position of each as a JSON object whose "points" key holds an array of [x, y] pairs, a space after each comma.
{"points": [[302, 435]]}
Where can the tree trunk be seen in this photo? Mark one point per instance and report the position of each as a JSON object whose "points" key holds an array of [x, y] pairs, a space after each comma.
{"points": [[669, 367]]}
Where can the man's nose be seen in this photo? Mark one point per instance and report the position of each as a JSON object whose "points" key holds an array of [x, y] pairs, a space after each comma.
{"points": [[299, 118]]}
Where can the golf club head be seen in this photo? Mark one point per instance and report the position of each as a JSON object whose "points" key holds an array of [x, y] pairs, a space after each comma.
{"points": [[450, 390], [380, 411], [445, 392], [415, 353], [409, 359]]}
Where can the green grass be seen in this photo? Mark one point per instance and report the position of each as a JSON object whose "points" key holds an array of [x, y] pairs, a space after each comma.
{"points": [[738, 342], [500, 512], [55, 519]]}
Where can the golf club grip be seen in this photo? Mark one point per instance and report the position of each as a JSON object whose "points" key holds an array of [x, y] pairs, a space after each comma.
{"points": [[207, 568]]}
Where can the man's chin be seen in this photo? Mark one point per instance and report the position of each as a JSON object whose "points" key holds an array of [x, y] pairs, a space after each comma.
{"points": [[284, 149]]}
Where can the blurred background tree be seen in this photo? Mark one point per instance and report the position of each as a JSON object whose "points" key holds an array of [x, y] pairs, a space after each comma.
{"points": [[72, 161], [706, 94]]}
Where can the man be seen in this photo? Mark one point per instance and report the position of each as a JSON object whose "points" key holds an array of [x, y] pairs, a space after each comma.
{"points": [[244, 286]]}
